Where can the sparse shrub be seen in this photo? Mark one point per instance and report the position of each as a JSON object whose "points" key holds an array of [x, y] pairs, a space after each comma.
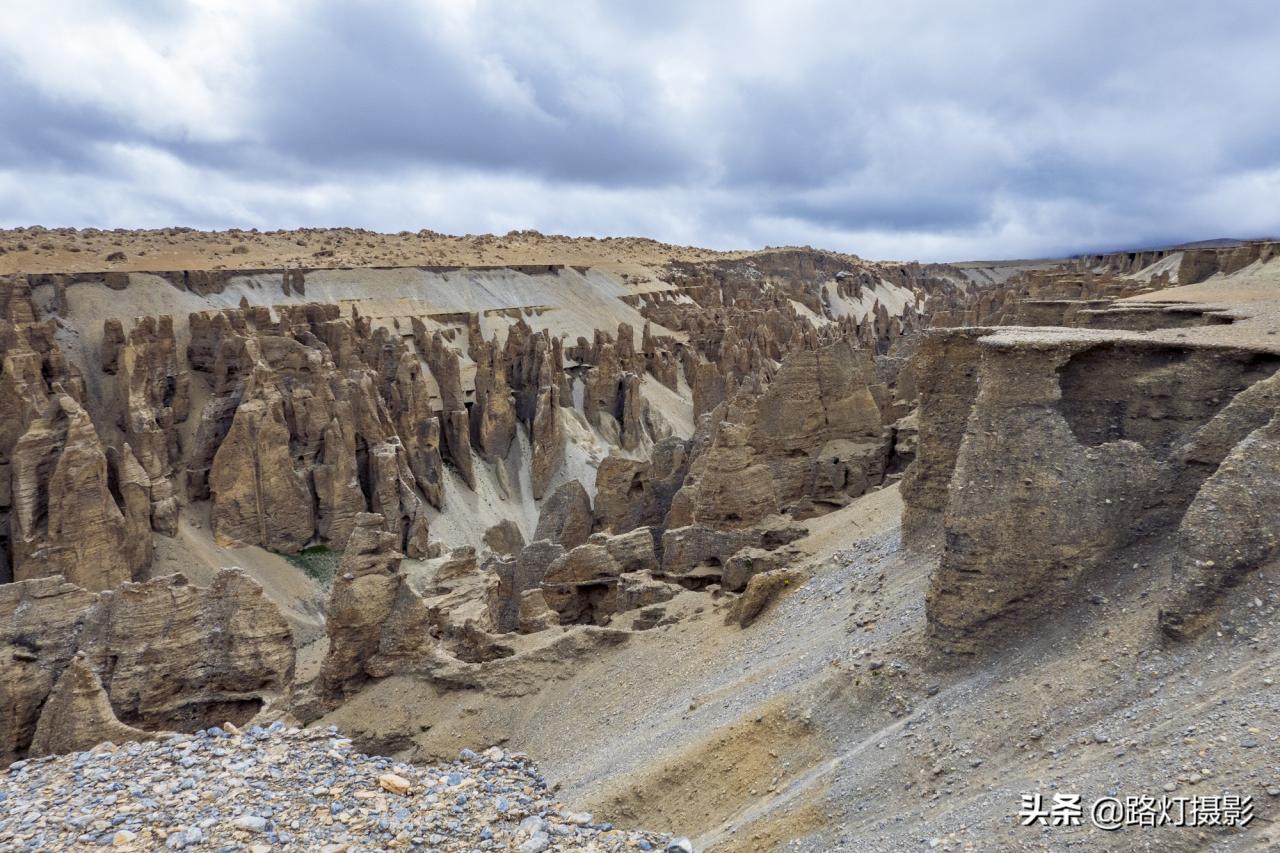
{"points": [[117, 256], [318, 562], [239, 249]]}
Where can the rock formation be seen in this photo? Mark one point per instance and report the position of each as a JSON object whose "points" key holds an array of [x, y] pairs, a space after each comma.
{"points": [[604, 576], [153, 400], [698, 553], [566, 518], [760, 592], [78, 716], [444, 365], [535, 368], [1077, 452], [633, 493], [65, 519], [291, 425], [377, 624], [504, 538], [517, 578], [322, 412], [306, 414], [1077, 448], [168, 655], [493, 417], [813, 435], [946, 367], [258, 496], [1231, 528]]}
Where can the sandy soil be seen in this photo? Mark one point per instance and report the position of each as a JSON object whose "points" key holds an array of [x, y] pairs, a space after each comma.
{"points": [[89, 250]]}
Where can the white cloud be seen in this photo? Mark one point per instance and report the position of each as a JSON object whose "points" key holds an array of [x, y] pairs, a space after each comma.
{"points": [[183, 81], [891, 130]]}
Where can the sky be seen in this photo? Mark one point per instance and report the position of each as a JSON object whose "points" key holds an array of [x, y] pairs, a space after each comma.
{"points": [[893, 129]]}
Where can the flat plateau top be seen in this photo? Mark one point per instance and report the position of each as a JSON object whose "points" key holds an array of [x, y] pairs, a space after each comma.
{"points": [[1250, 298], [68, 250]]}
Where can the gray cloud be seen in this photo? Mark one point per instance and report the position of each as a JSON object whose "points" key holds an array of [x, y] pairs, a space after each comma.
{"points": [[903, 130]]}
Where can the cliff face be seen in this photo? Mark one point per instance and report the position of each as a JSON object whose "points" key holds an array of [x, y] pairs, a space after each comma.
{"points": [[312, 438], [946, 375], [376, 622], [163, 655], [1051, 456], [814, 434], [1231, 528], [290, 417], [65, 519], [65, 508], [1072, 453], [548, 490]]}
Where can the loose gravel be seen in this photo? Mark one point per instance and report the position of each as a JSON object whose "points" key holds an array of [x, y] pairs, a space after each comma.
{"points": [[284, 789]]}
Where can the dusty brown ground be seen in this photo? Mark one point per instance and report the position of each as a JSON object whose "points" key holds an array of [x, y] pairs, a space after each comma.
{"points": [[90, 250]]}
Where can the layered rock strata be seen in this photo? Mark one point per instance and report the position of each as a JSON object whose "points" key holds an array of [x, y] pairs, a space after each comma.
{"points": [[167, 656], [1077, 449]]}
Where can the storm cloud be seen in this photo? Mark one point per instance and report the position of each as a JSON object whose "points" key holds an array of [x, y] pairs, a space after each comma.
{"points": [[893, 130]]}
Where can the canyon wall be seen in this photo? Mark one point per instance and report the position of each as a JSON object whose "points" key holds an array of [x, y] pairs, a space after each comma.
{"points": [[161, 656], [1049, 456], [555, 445]]}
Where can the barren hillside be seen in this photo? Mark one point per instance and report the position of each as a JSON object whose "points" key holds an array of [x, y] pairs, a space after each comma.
{"points": [[91, 250]]}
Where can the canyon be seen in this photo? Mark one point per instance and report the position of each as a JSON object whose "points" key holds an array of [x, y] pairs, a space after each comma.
{"points": [[783, 549]]}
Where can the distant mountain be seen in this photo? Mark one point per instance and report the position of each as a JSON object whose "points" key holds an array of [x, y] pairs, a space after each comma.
{"points": [[1219, 243], [1216, 243]]}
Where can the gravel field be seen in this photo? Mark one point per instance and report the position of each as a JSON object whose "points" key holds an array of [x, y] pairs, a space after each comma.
{"points": [[278, 788]]}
